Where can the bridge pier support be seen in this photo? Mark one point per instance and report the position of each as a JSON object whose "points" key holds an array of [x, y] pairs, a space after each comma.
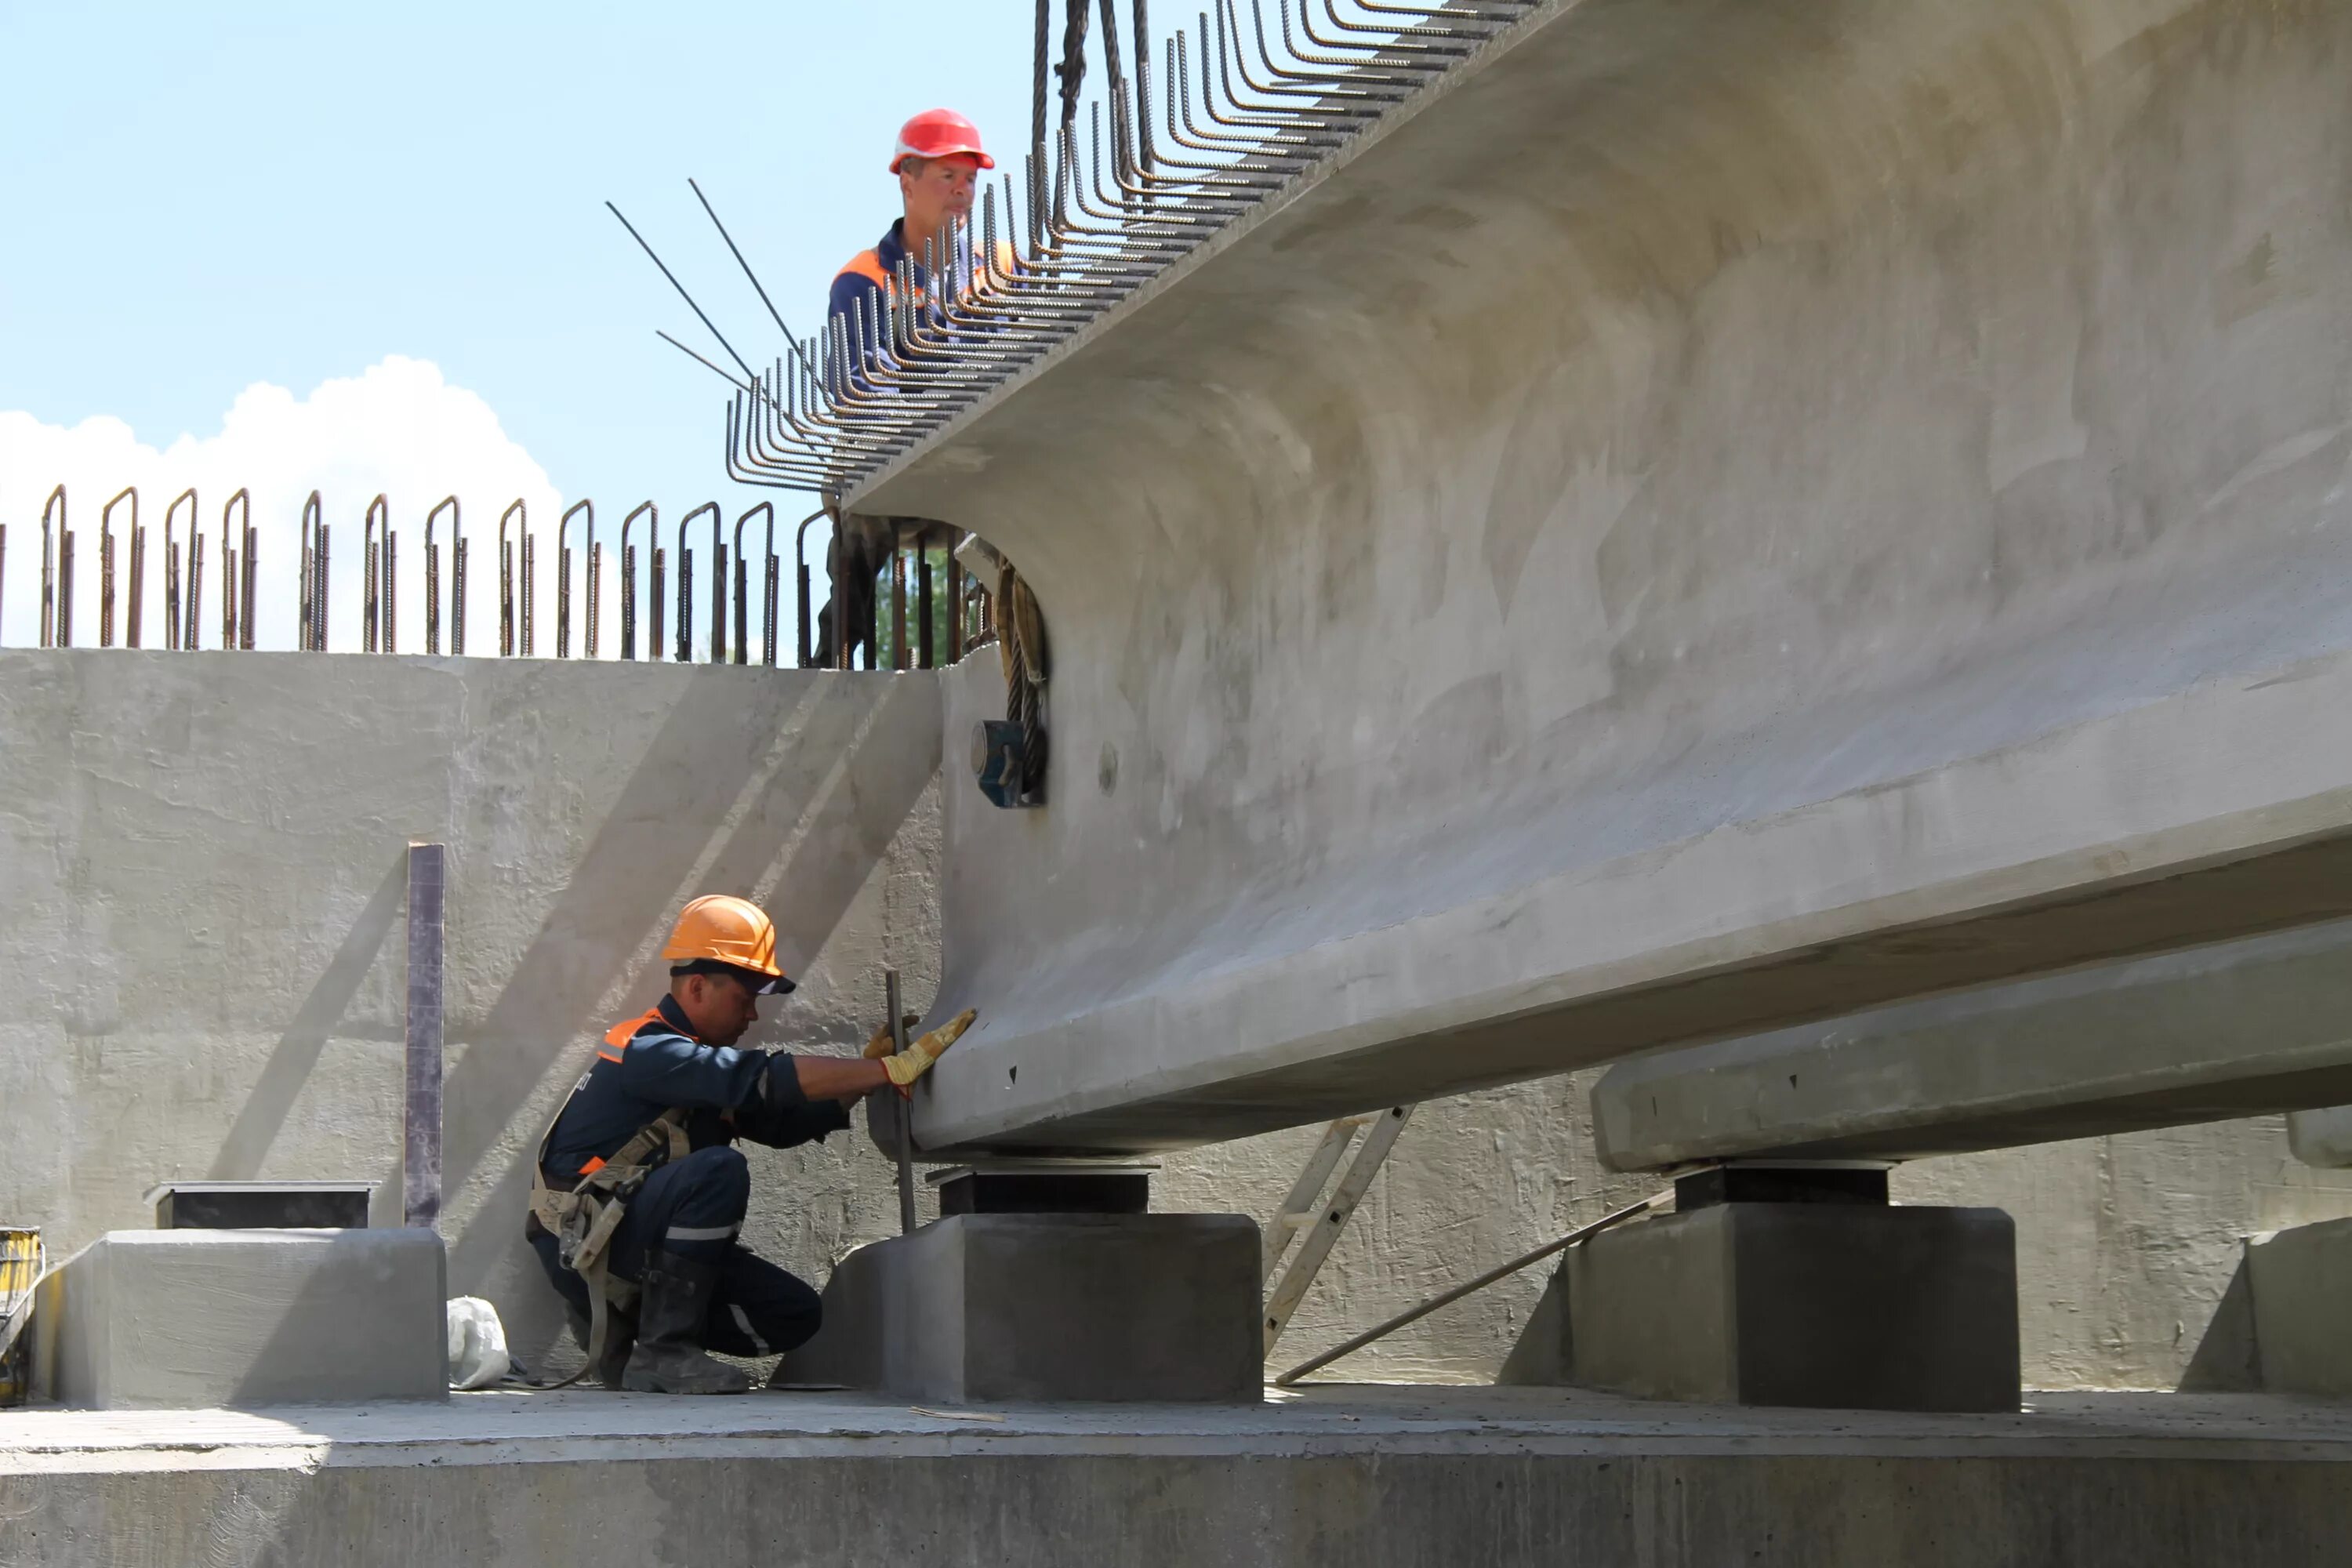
{"points": [[1789, 1286], [1008, 1301]]}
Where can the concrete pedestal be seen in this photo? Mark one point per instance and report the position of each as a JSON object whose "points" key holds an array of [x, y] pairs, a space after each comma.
{"points": [[1046, 1307], [1846, 1305], [185, 1319], [2301, 1281]]}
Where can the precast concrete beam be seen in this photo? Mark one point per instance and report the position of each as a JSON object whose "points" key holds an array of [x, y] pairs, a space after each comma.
{"points": [[2232, 1029], [1721, 515]]}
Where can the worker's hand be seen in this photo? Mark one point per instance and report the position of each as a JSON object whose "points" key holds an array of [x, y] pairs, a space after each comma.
{"points": [[916, 1061], [881, 1045]]}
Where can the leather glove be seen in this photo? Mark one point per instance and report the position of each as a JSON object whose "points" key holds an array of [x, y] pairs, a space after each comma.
{"points": [[880, 1045], [916, 1061]]}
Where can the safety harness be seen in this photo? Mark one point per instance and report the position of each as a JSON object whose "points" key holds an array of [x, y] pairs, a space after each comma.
{"points": [[583, 1220]]}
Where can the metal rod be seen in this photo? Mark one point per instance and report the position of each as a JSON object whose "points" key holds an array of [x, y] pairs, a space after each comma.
{"points": [[1348, 1347], [905, 1140], [50, 559], [177, 585], [897, 597], [106, 561], [564, 579], [420, 1164], [506, 626], [923, 599]]}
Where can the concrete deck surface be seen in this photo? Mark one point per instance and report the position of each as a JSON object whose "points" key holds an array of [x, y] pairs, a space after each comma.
{"points": [[504, 1427], [1355, 1474]]}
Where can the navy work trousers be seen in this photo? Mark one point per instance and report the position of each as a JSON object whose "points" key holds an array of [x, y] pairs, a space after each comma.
{"points": [[693, 1207]]}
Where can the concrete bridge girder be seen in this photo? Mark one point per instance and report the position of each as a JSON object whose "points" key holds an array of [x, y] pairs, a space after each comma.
{"points": [[1721, 516]]}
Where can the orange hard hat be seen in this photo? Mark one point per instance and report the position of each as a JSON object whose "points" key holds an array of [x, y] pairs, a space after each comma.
{"points": [[938, 133], [722, 929]]}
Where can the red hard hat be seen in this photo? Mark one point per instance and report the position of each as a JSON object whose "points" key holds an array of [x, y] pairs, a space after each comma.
{"points": [[938, 133]]}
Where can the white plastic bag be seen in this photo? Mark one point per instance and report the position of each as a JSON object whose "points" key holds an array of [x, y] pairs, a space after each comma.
{"points": [[478, 1343]]}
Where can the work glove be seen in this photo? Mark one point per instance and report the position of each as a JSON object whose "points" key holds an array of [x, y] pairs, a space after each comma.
{"points": [[881, 1045], [916, 1061]]}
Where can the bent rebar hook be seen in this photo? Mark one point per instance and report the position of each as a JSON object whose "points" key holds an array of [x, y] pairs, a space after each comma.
{"points": [[743, 582], [56, 574], [506, 576], [432, 577], [106, 564], [179, 588], [564, 579], [629, 580]]}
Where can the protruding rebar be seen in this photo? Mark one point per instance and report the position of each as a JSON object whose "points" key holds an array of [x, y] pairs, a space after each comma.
{"points": [[807, 628], [372, 618], [564, 580], [433, 573], [315, 520], [529, 593], [308, 582], [249, 566], [629, 582], [686, 583], [391, 581], [52, 556], [506, 577], [180, 586], [457, 580], [743, 585], [106, 561]]}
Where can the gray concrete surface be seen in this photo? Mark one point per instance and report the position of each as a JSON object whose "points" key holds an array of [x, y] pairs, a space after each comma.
{"points": [[165, 1320], [2301, 1282], [201, 882], [976, 1308], [254, 1029], [1340, 1476], [1853, 1306], [2322, 1138], [2211, 1033], [1773, 542]]}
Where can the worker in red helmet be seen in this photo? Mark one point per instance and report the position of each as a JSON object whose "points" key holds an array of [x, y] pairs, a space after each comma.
{"points": [[939, 161]]}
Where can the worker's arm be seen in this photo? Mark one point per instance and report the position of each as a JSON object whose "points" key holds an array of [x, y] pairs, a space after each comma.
{"points": [[848, 1078], [780, 1114]]}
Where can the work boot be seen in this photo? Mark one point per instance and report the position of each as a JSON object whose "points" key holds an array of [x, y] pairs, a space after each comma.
{"points": [[673, 1304], [620, 1334]]}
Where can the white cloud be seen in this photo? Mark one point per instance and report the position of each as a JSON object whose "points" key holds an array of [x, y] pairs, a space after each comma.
{"points": [[398, 429]]}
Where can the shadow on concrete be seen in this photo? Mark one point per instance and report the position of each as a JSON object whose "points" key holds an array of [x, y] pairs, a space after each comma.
{"points": [[2228, 1359], [297, 1052]]}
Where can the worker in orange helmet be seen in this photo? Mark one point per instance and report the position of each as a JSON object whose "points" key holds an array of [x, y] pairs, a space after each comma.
{"points": [[939, 161], [639, 1190]]}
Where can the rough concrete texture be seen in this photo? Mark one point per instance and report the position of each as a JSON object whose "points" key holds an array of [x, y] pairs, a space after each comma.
{"points": [[175, 1320], [2301, 1281], [1379, 1479], [201, 886], [2322, 1138], [1728, 513], [1124, 1308], [263, 803], [2227, 1029], [1842, 1305]]}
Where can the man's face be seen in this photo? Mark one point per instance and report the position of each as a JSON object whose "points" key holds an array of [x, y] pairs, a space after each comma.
{"points": [[941, 189], [719, 1006]]}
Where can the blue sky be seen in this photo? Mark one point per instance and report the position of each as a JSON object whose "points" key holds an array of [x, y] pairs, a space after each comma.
{"points": [[199, 198]]}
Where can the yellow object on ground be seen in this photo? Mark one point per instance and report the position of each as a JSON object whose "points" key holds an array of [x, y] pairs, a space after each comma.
{"points": [[20, 1267]]}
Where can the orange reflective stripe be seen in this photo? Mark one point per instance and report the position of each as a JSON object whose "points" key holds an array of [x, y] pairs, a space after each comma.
{"points": [[595, 1163], [619, 1035], [869, 266], [608, 1056]]}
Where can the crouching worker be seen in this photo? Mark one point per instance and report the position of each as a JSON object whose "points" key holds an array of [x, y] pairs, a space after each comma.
{"points": [[640, 1190]]}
